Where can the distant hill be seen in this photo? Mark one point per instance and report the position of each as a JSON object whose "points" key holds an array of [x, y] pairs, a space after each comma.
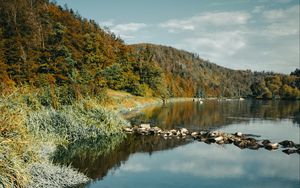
{"points": [[43, 45], [187, 74]]}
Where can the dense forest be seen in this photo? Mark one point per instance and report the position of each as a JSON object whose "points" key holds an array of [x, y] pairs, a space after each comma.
{"points": [[43, 45]]}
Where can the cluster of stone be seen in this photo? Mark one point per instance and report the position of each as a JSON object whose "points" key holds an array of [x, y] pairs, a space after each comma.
{"points": [[146, 129], [238, 139], [245, 141]]}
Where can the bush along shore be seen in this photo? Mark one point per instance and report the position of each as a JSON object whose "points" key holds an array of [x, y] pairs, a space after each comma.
{"points": [[239, 139], [31, 132]]}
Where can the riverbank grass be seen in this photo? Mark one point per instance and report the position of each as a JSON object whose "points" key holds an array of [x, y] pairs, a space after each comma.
{"points": [[15, 148], [31, 130]]}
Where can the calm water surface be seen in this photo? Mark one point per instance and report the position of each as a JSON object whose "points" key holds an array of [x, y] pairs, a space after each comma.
{"points": [[152, 161]]}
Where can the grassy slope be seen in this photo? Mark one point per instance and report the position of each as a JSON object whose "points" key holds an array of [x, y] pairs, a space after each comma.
{"points": [[121, 101]]}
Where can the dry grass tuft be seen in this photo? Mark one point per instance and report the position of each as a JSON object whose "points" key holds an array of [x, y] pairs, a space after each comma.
{"points": [[15, 152]]}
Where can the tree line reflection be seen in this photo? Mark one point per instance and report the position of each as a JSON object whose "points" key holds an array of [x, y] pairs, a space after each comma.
{"points": [[95, 159], [213, 113]]}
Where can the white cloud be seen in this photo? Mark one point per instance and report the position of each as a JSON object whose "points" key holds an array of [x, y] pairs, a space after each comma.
{"points": [[125, 30], [282, 22], [124, 36], [216, 19], [216, 46], [259, 38], [258, 9], [173, 25], [239, 41], [214, 36], [107, 23], [128, 27], [280, 29], [281, 14], [225, 18]]}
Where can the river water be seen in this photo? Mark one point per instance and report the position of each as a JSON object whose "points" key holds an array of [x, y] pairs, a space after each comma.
{"points": [[152, 161]]}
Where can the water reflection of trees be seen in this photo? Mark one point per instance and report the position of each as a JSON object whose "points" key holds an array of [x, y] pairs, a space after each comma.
{"points": [[96, 159], [275, 110], [214, 114], [296, 119]]}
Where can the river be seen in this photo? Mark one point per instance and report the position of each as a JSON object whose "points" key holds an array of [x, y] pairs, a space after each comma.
{"points": [[154, 161]]}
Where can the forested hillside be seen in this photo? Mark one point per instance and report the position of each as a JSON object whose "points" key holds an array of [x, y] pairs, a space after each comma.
{"points": [[43, 45], [276, 86], [186, 74]]}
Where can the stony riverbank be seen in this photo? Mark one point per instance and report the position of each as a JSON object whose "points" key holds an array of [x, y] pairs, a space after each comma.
{"points": [[238, 139]]}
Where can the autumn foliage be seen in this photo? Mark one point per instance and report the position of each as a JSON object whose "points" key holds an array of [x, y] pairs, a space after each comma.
{"points": [[48, 46]]}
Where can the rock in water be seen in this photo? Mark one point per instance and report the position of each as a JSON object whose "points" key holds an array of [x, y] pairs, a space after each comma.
{"points": [[265, 142], [254, 146], [145, 126], [173, 131], [287, 144], [213, 134], [219, 138], [184, 131], [240, 144], [238, 134], [157, 130], [195, 134], [271, 146]]}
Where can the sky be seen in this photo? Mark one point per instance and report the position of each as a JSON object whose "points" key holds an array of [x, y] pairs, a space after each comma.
{"points": [[260, 35]]}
